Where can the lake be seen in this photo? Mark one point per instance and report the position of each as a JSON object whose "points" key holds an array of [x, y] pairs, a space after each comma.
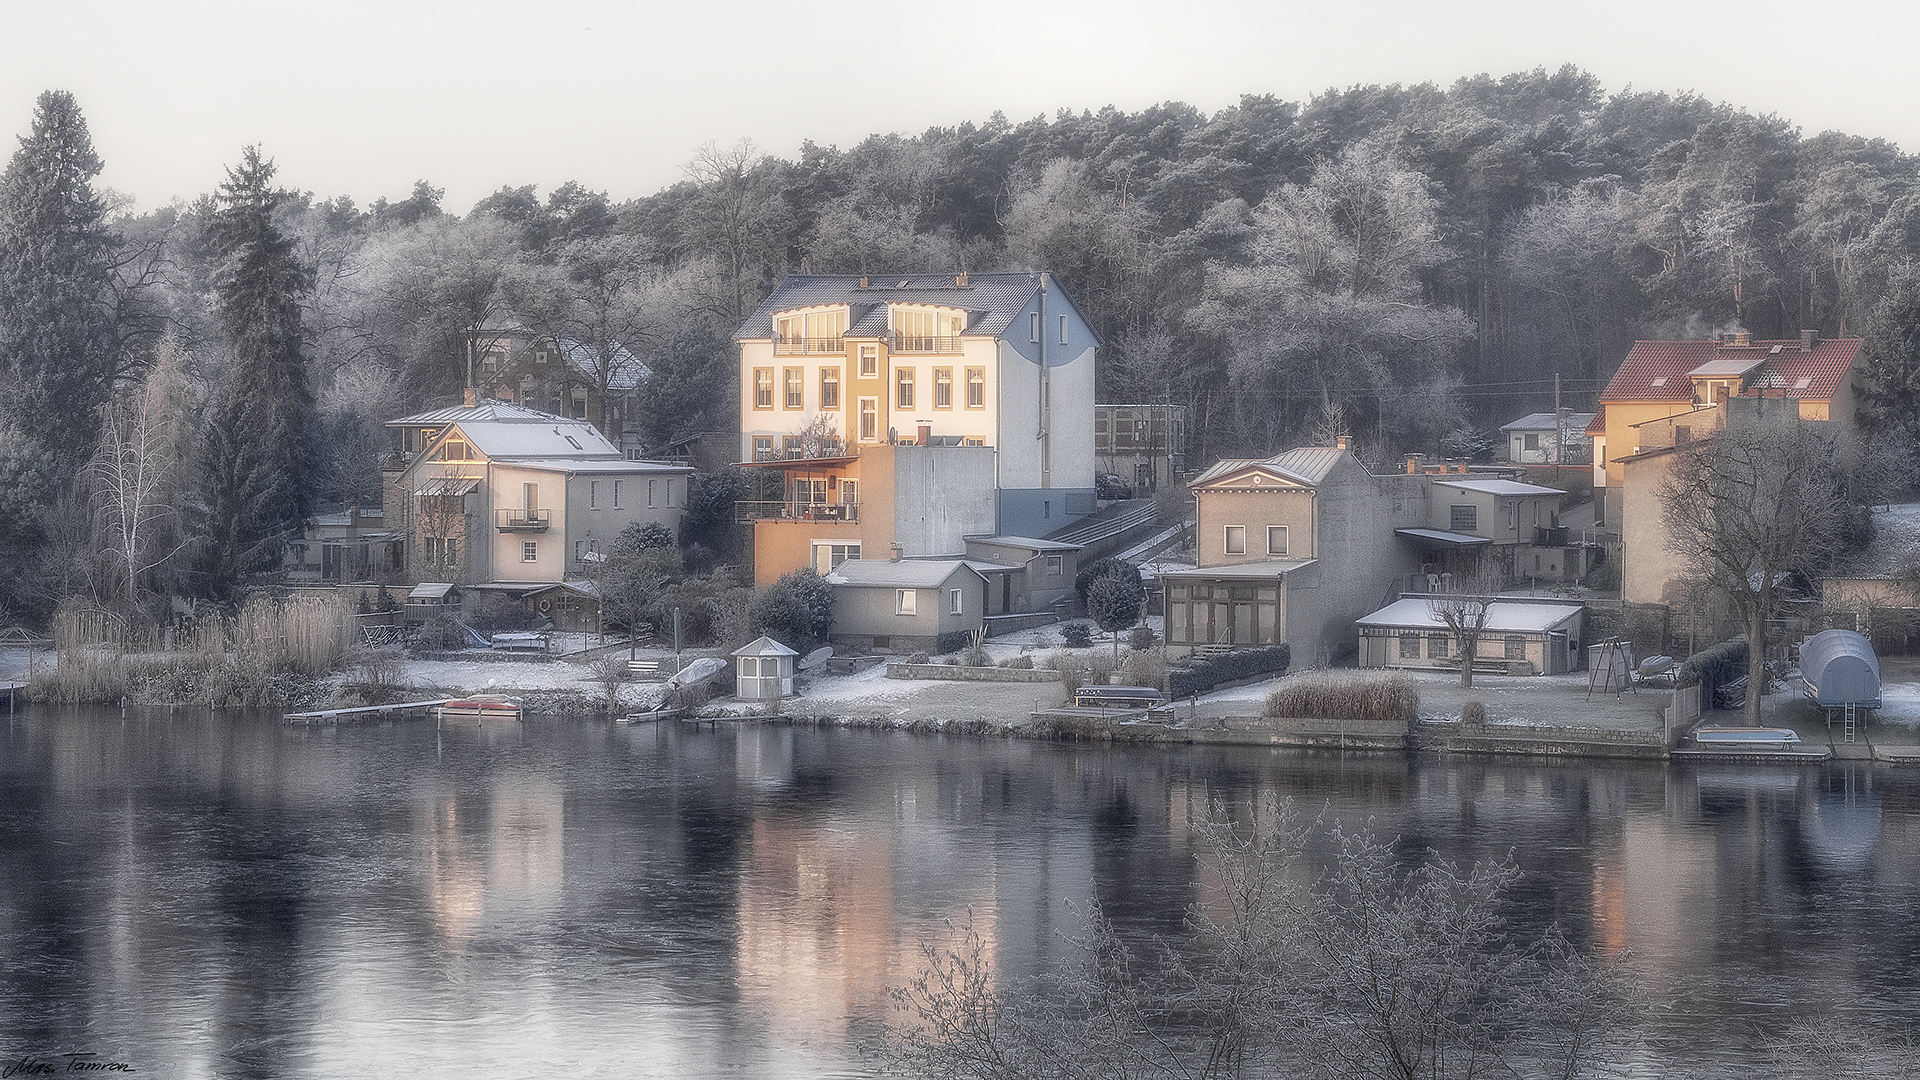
{"points": [[229, 896]]}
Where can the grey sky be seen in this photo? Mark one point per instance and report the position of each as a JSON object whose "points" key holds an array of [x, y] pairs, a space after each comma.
{"points": [[362, 98]]}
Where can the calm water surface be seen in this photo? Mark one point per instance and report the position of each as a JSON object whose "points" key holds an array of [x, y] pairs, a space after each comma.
{"points": [[225, 896]]}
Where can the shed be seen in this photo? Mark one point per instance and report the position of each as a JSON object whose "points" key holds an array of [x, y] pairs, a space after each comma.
{"points": [[763, 670], [1530, 637], [429, 600], [1840, 671]]}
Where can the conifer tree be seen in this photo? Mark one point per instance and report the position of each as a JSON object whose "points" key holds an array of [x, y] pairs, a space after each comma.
{"points": [[57, 340], [261, 452]]}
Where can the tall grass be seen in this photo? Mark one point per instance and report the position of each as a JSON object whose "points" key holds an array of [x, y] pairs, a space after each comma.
{"points": [[258, 656], [1344, 695]]}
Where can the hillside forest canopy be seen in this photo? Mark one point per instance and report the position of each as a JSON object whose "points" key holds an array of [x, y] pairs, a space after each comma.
{"points": [[1410, 265]]}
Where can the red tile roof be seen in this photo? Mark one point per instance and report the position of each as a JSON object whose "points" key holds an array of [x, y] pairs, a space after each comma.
{"points": [[1651, 361], [1598, 426]]}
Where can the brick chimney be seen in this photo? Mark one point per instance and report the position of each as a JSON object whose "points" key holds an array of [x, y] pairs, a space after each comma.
{"points": [[473, 398], [1742, 339], [1339, 442], [1808, 339], [863, 281], [1413, 464], [960, 280], [923, 434]]}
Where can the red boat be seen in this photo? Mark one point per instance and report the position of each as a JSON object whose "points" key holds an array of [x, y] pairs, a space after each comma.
{"points": [[481, 709]]}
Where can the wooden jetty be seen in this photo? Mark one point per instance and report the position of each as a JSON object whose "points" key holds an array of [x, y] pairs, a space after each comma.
{"points": [[333, 716]]}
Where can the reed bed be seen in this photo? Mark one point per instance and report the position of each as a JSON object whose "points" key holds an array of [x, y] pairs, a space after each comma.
{"points": [[1346, 695]]}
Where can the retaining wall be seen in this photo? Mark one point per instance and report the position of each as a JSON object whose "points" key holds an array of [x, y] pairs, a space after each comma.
{"points": [[971, 674]]}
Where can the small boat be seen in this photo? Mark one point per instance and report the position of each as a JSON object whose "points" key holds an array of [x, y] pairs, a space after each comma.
{"points": [[697, 672], [1778, 738], [479, 709]]}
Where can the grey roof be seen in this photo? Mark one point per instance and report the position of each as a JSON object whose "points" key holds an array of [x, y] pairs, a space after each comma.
{"points": [[489, 409], [1443, 536], [904, 574], [1500, 487], [764, 646], [1307, 464], [986, 568], [430, 590], [627, 372], [1502, 617], [1246, 571], [1575, 423], [614, 466], [1027, 542], [992, 300]]}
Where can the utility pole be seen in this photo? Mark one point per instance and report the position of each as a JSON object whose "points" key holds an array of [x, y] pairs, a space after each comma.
{"points": [[1559, 425]]}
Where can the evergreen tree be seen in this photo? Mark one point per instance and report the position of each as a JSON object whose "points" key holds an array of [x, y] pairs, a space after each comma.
{"points": [[261, 451], [57, 340]]}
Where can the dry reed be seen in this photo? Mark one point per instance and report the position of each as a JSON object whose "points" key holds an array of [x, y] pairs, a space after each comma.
{"points": [[1330, 695]]}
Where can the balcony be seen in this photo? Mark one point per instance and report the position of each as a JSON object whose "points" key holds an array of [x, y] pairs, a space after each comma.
{"points": [[808, 449], [522, 520], [807, 346], [790, 510], [917, 343], [1554, 537]]}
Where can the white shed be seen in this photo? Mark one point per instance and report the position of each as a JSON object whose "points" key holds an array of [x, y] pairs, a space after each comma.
{"points": [[763, 670]]}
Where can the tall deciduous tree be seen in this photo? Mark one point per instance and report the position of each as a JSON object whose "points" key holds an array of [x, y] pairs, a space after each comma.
{"points": [[262, 456], [57, 341]]}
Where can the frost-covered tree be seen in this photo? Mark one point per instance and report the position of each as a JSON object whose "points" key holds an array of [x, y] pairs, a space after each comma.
{"points": [[261, 452], [57, 340]]}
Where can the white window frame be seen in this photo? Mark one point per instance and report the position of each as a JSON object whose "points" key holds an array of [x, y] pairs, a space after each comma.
{"points": [[905, 387], [868, 410], [958, 601], [650, 493], [830, 377], [1063, 329], [616, 494], [593, 494], [869, 361], [1283, 549], [529, 551], [1234, 536], [906, 601], [1056, 565], [1033, 327]]}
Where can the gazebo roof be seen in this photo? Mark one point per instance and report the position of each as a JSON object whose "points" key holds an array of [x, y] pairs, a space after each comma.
{"points": [[764, 646]]}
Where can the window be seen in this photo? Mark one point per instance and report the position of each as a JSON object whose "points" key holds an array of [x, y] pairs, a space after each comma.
{"points": [[571, 441], [1512, 516], [1463, 518], [796, 386], [976, 388], [763, 448], [869, 419], [828, 557], [830, 388], [905, 601], [1063, 329], [452, 552], [529, 551], [850, 496], [1276, 539], [1236, 540], [530, 495], [869, 361], [957, 594], [651, 484], [1056, 565], [920, 330], [454, 450], [579, 413], [943, 388], [763, 388], [667, 491], [584, 548], [1033, 326], [1437, 646], [1409, 646], [1516, 647], [1682, 435], [593, 494], [1533, 441], [810, 331], [903, 378]]}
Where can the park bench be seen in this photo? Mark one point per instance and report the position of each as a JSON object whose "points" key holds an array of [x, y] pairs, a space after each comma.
{"points": [[1117, 697]]}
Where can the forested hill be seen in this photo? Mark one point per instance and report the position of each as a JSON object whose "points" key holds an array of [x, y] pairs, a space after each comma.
{"points": [[1408, 264]]}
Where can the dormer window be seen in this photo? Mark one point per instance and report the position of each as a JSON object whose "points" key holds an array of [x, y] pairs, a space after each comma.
{"points": [[573, 442], [926, 330], [817, 330], [454, 450]]}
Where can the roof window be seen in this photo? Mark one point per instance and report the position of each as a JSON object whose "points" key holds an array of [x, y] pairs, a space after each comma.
{"points": [[1659, 382]]}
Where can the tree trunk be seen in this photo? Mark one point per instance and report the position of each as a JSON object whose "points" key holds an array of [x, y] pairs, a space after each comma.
{"points": [[1757, 655], [1467, 650]]}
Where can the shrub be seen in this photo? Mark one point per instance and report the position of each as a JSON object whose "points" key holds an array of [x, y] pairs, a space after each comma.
{"points": [[441, 635], [1072, 669], [1473, 714], [1202, 675], [1368, 697], [796, 610], [1145, 667], [952, 641], [1714, 666], [917, 658], [1100, 668], [1142, 637], [1077, 635], [1022, 662]]}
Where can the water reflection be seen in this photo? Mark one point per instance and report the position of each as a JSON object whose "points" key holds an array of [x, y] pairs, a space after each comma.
{"points": [[229, 896]]}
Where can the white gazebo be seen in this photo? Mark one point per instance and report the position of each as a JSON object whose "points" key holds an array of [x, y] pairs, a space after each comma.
{"points": [[763, 670]]}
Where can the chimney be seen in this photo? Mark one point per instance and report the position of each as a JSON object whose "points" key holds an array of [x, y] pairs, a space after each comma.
{"points": [[1413, 464], [1339, 442], [960, 280], [473, 398], [1742, 339], [1808, 339], [863, 281], [923, 434], [895, 553]]}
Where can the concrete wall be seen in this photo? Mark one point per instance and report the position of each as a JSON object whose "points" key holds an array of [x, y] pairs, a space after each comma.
{"points": [[940, 494], [1646, 565], [1361, 560]]}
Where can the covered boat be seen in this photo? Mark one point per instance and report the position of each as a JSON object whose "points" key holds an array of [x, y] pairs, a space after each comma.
{"points": [[1839, 670]]}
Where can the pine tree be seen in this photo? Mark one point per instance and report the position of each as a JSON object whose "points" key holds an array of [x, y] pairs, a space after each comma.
{"points": [[261, 452], [57, 339]]}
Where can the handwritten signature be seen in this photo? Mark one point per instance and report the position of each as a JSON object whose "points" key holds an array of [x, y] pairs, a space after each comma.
{"points": [[38, 1065]]}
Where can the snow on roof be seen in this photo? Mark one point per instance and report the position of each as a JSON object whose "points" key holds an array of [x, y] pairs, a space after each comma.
{"points": [[430, 590], [550, 438], [617, 466], [1027, 542], [991, 300], [1502, 617], [764, 646], [1307, 465], [1575, 423], [1500, 487], [489, 409], [904, 574], [1266, 569]]}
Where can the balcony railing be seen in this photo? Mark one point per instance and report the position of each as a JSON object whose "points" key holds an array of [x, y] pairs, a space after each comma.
{"points": [[801, 346], [1554, 537], [917, 343], [791, 510], [522, 520], [804, 451]]}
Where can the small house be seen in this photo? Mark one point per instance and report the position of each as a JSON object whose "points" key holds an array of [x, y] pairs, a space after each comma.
{"points": [[763, 670], [430, 600], [1040, 573], [1529, 637], [905, 605], [1546, 438]]}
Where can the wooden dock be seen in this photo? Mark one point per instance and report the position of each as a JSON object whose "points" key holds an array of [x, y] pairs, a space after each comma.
{"points": [[333, 716]]}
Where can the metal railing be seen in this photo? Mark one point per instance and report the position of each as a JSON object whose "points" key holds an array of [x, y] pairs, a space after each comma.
{"points": [[1544, 536], [793, 510], [812, 448], [525, 519], [920, 343], [802, 346]]}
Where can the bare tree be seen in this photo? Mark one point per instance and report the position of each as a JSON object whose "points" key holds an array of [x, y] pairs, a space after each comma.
{"points": [[1743, 508], [1463, 609]]}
